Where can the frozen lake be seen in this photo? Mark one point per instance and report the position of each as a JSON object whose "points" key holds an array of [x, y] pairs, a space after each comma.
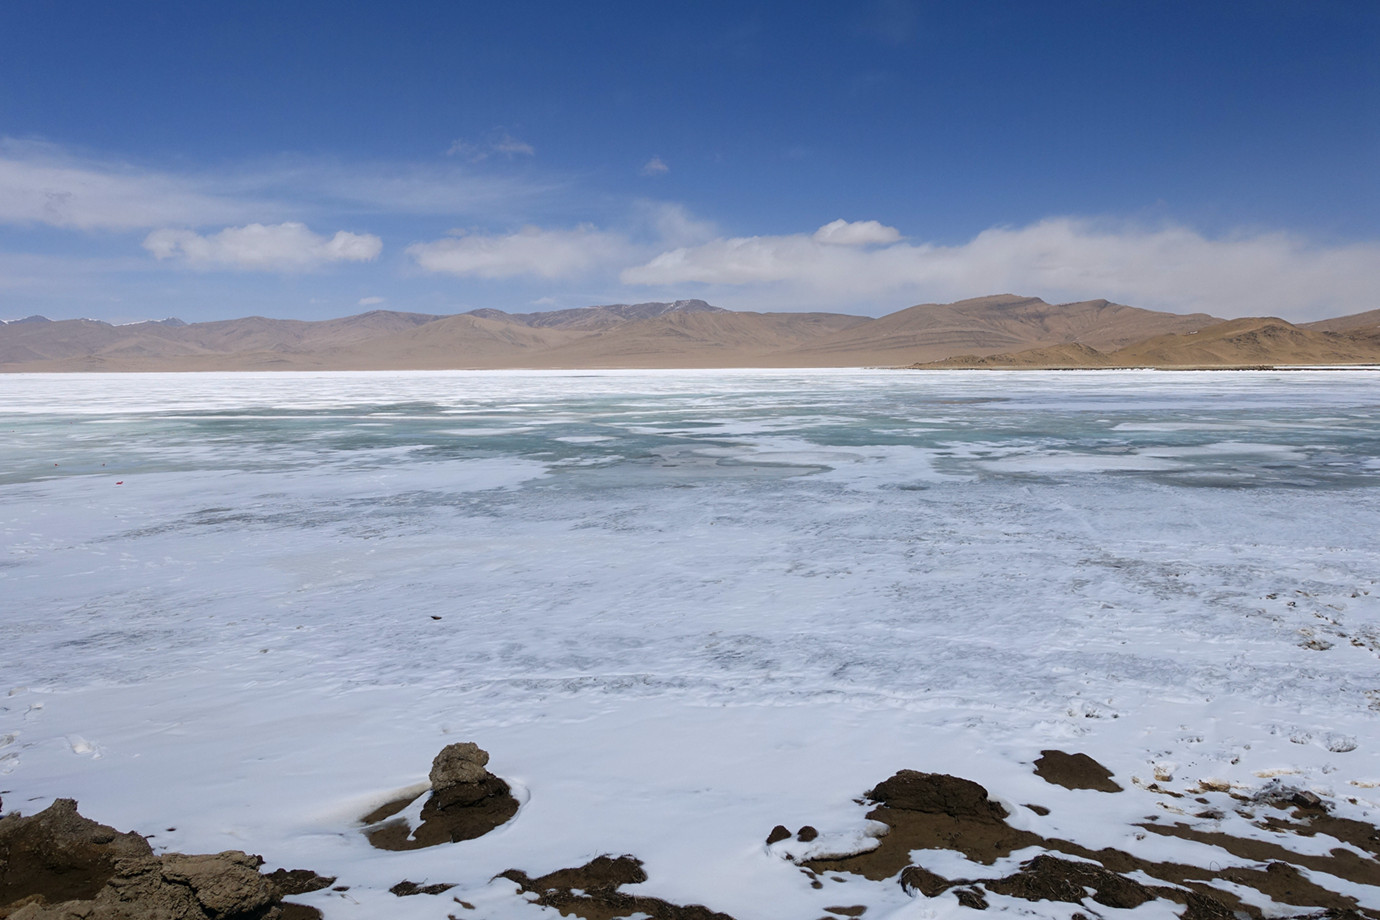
{"points": [[678, 608]]}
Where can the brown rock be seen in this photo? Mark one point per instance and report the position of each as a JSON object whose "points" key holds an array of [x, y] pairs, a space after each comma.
{"points": [[930, 884], [58, 865], [466, 801], [463, 762], [406, 889], [226, 885], [937, 793], [298, 881], [60, 855], [971, 898]]}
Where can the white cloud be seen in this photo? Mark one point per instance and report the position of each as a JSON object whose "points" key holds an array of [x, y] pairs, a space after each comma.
{"points": [[530, 251], [39, 184], [656, 166], [45, 184], [276, 247], [1169, 267], [857, 233], [670, 224], [371, 301], [505, 143], [498, 141]]}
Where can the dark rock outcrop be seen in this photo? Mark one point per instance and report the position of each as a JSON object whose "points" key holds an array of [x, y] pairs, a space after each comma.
{"points": [[466, 801], [937, 794], [58, 865]]}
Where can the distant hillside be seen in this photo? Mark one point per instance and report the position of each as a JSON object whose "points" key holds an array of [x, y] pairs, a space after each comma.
{"points": [[702, 339], [1356, 322], [600, 317], [1250, 342], [988, 325], [83, 344], [1002, 330]]}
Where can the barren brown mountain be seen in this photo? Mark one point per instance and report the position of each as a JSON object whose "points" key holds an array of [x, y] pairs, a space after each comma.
{"points": [[601, 317], [1252, 341], [1002, 330], [700, 339], [988, 325], [1249, 342], [246, 343], [1356, 322]]}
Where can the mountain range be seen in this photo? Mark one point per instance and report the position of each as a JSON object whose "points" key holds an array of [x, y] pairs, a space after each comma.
{"points": [[1002, 330]]}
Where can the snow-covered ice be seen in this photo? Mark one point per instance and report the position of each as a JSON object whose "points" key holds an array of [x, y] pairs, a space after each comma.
{"points": [[680, 608]]}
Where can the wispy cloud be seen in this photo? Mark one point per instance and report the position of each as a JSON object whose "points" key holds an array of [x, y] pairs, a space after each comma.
{"points": [[41, 184], [559, 252], [655, 167], [279, 247], [498, 141], [531, 251], [372, 301], [1169, 267], [44, 184]]}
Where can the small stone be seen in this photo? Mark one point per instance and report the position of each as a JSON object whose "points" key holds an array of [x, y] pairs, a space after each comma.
{"points": [[406, 888], [298, 881], [971, 897], [458, 763], [930, 884], [806, 834], [1306, 799], [778, 834]]}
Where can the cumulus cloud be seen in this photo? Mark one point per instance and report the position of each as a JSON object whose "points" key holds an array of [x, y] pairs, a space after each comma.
{"points": [[1167, 267], [275, 247], [656, 166], [530, 251], [857, 233]]}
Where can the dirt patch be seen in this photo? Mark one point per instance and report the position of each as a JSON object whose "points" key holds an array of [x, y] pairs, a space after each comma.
{"points": [[591, 892], [1074, 771], [1341, 862], [1049, 878], [931, 811], [57, 865], [941, 812], [466, 801]]}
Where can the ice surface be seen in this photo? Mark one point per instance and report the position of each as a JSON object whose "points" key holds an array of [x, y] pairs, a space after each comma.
{"points": [[678, 608]]}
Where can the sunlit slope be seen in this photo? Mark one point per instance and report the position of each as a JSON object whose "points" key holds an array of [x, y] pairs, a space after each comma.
{"points": [[987, 325], [1002, 330], [1248, 342]]}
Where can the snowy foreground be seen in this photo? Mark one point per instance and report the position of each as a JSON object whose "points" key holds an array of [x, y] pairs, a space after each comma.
{"points": [[679, 608]]}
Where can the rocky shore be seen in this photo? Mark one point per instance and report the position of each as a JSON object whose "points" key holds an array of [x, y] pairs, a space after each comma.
{"points": [[59, 865]]}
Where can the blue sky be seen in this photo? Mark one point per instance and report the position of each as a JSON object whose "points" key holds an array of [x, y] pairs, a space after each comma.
{"points": [[311, 160]]}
